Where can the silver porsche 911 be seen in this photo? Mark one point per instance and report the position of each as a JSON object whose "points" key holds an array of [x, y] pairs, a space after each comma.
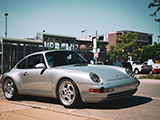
{"points": [[67, 76]]}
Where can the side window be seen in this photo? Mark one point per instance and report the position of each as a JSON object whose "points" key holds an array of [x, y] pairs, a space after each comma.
{"points": [[22, 65], [34, 60], [145, 63]]}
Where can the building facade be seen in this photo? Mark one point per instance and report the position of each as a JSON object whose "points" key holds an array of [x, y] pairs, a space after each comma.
{"points": [[55, 41], [144, 38], [87, 41], [12, 49]]}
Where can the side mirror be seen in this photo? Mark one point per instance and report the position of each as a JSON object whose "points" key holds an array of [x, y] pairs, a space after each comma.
{"points": [[40, 66]]}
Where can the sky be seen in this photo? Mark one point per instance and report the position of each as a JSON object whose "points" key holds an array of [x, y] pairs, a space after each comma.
{"points": [[70, 17]]}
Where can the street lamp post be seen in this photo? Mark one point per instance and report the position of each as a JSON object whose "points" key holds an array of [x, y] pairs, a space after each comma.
{"points": [[6, 14], [94, 44]]}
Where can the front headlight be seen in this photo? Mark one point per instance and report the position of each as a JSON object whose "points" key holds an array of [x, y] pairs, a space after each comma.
{"points": [[129, 72], [94, 77]]}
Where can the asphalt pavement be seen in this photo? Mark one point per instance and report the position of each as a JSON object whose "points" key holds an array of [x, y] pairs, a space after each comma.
{"points": [[16, 110]]}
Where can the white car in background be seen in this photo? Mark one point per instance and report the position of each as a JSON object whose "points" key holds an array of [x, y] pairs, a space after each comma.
{"points": [[137, 67]]}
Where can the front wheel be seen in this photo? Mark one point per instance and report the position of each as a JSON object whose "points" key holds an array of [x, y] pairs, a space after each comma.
{"points": [[9, 89], [68, 93], [151, 72]]}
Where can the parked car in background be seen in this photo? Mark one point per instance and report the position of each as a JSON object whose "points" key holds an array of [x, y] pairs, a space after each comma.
{"points": [[123, 64], [155, 65], [137, 67], [67, 76]]}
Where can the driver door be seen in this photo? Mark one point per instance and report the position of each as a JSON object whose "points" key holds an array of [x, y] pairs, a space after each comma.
{"points": [[36, 80]]}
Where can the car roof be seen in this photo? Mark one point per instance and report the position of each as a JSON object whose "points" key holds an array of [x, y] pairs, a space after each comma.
{"points": [[43, 52]]}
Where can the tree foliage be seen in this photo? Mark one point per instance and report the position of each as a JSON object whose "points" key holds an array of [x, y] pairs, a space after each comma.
{"points": [[155, 3], [150, 52], [126, 45], [113, 53]]}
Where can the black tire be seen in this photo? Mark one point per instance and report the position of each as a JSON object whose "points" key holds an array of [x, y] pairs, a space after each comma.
{"points": [[136, 71], [68, 93], [151, 72], [9, 89]]}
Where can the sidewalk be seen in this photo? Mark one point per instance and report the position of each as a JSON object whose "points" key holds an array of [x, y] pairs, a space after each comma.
{"points": [[10, 110]]}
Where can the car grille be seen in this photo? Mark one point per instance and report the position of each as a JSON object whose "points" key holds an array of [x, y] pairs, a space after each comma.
{"points": [[121, 94]]}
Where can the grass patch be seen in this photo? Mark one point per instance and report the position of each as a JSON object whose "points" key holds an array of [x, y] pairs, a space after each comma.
{"points": [[150, 77]]}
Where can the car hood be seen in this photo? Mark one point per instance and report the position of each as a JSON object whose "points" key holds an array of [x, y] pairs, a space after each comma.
{"points": [[105, 72], [156, 66]]}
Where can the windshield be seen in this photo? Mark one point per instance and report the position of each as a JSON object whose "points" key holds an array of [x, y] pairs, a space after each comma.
{"points": [[137, 62], [156, 61], [59, 58]]}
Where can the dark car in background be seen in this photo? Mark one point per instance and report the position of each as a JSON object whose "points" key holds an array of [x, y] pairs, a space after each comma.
{"points": [[123, 64]]}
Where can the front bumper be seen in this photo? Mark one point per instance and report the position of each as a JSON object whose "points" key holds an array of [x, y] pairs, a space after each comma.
{"points": [[121, 89], [156, 70]]}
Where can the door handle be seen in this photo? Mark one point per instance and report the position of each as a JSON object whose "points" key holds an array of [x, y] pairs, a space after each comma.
{"points": [[25, 73]]}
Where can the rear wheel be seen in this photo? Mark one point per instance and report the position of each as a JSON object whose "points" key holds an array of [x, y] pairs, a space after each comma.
{"points": [[136, 71], [9, 89], [68, 93]]}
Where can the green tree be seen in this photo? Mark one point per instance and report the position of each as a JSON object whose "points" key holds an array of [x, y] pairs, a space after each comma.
{"points": [[112, 53], [126, 45], [150, 52], [147, 53], [155, 3], [156, 49]]}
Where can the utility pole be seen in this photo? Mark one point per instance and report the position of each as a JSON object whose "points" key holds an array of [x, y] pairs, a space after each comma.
{"points": [[159, 33], [94, 46]]}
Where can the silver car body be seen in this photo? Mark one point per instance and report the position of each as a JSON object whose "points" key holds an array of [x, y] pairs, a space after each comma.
{"points": [[114, 81]]}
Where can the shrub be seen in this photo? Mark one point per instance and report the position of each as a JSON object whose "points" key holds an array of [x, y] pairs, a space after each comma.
{"points": [[150, 77]]}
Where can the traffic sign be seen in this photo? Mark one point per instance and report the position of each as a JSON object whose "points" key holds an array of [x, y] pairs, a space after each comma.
{"points": [[96, 54]]}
